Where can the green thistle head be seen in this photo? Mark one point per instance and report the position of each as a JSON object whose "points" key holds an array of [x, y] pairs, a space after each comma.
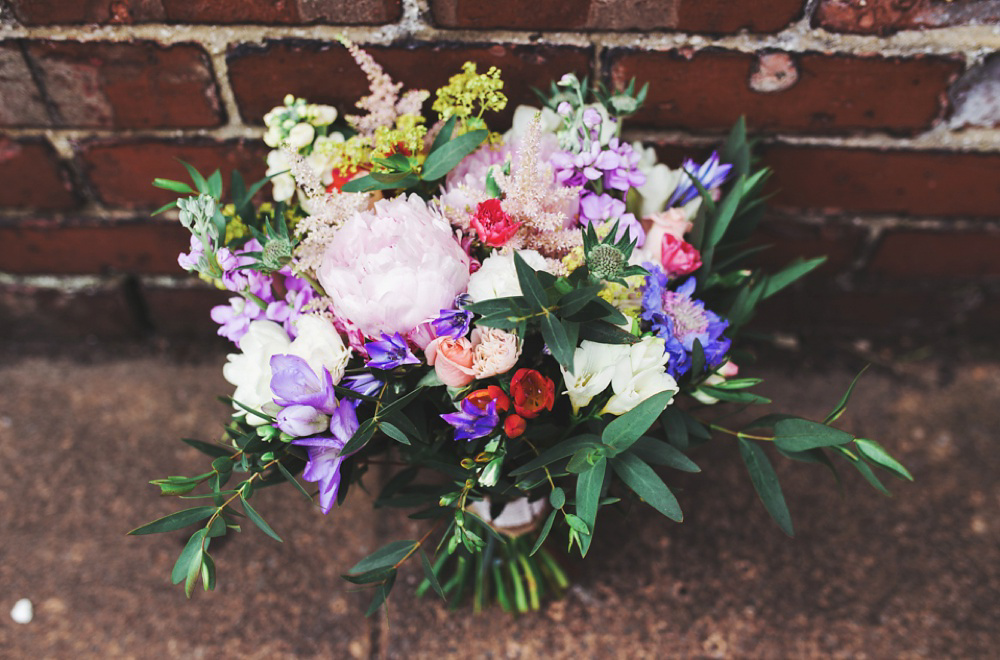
{"points": [[606, 261]]}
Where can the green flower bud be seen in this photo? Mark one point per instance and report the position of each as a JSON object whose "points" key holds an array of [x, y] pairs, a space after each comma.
{"points": [[606, 261], [276, 253]]}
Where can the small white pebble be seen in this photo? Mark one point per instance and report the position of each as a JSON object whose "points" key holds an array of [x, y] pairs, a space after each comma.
{"points": [[22, 612]]}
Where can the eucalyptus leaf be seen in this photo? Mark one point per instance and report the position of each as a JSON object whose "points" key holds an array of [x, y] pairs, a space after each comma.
{"points": [[765, 482], [877, 454], [645, 483], [386, 556], [257, 519], [621, 432], [191, 552], [797, 434], [175, 520], [588, 496]]}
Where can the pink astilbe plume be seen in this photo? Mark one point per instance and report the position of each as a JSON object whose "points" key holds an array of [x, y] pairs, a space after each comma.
{"points": [[384, 104]]}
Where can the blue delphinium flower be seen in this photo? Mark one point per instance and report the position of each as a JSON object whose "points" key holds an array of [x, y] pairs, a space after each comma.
{"points": [[389, 353], [679, 320], [711, 174], [473, 422], [453, 323]]}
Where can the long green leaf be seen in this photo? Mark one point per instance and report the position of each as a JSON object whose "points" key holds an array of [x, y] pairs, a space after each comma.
{"points": [[782, 279], [196, 177], [877, 454], [797, 434], [658, 452], [645, 483], [544, 534], [431, 576], [258, 520], [360, 438], [626, 429], [447, 156], [765, 482], [191, 551], [588, 497], [207, 448], [726, 211], [841, 406], [175, 520], [386, 556], [565, 448], [531, 288], [175, 186], [558, 341]]}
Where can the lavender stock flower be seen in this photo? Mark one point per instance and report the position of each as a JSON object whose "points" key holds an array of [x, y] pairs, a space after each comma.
{"points": [[473, 422], [389, 353]]}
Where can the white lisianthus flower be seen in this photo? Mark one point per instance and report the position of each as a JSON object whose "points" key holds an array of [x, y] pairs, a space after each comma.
{"points": [[593, 367], [318, 343], [497, 277], [640, 376], [250, 371], [301, 135]]}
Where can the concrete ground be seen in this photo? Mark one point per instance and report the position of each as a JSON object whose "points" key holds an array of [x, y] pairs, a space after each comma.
{"points": [[917, 575]]}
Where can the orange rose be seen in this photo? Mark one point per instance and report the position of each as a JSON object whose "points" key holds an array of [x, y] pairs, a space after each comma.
{"points": [[452, 360]]}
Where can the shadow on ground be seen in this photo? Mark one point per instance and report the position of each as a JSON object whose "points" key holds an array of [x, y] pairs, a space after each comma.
{"points": [[917, 575]]}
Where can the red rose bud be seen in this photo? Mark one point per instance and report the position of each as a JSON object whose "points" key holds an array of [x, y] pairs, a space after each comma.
{"points": [[678, 256], [514, 425], [481, 398], [493, 224], [532, 392]]}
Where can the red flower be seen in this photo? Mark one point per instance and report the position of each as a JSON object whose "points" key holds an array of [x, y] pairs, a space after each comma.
{"points": [[481, 398], [493, 224], [532, 392], [340, 177], [514, 425]]}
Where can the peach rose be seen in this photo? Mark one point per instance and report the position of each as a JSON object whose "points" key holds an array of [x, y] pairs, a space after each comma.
{"points": [[494, 352], [672, 221], [452, 360]]}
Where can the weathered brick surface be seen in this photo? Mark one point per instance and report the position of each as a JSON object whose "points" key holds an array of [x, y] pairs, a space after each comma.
{"points": [[22, 104], [122, 171], [940, 183], [711, 16], [31, 314], [789, 240], [344, 12], [888, 16], [976, 96], [326, 73], [33, 177], [710, 89], [133, 85], [92, 248], [185, 312], [925, 254]]}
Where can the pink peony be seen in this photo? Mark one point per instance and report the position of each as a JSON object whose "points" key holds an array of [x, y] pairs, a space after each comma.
{"points": [[671, 222], [678, 256], [452, 360], [389, 269]]}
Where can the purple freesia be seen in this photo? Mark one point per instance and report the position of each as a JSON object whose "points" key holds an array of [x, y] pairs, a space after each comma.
{"points": [[293, 382], [473, 422], [711, 174], [364, 384], [389, 353], [453, 323], [300, 420], [325, 455]]}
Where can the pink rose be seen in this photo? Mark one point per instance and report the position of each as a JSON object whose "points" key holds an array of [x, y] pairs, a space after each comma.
{"points": [[678, 256], [671, 222], [494, 352], [452, 360]]}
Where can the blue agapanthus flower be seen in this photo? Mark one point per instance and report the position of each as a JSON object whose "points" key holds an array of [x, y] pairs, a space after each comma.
{"points": [[679, 320], [711, 174]]}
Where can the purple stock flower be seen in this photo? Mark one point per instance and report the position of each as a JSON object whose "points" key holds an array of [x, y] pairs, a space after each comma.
{"points": [[452, 323], [293, 382], [679, 320], [473, 422], [604, 208], [711, 174], [190, 260], [389, 353], [325, 455]]}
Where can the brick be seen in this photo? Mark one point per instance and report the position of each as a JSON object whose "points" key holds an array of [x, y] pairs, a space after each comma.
{"points": [[938, 183], [712, 16], [976, 96], [133, 85], [937, 254], [93, 248], [261, 76], [122, 171], [22, 103], [338, 12], [709, 90], [889, 16], [33, 177], [184, 312], [34, 314], [788, 240]]}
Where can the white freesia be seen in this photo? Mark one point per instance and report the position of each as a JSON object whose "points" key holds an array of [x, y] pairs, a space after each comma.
{"points": [[283, 184], [640, 376], [497, 277], [593, 367], [250, 371], [318, 343]]}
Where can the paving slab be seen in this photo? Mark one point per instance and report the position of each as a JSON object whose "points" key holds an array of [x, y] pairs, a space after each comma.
{"points": [[917, 575]]}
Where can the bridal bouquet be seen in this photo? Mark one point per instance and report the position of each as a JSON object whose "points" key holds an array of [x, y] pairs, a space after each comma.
{"points": [[519, 329]]}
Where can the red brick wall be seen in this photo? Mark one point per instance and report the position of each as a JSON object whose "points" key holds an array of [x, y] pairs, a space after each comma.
{"points": [[881, 119]]}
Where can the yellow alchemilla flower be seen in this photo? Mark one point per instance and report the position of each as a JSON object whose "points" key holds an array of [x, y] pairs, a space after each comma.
{"points": [[469, 90]]}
